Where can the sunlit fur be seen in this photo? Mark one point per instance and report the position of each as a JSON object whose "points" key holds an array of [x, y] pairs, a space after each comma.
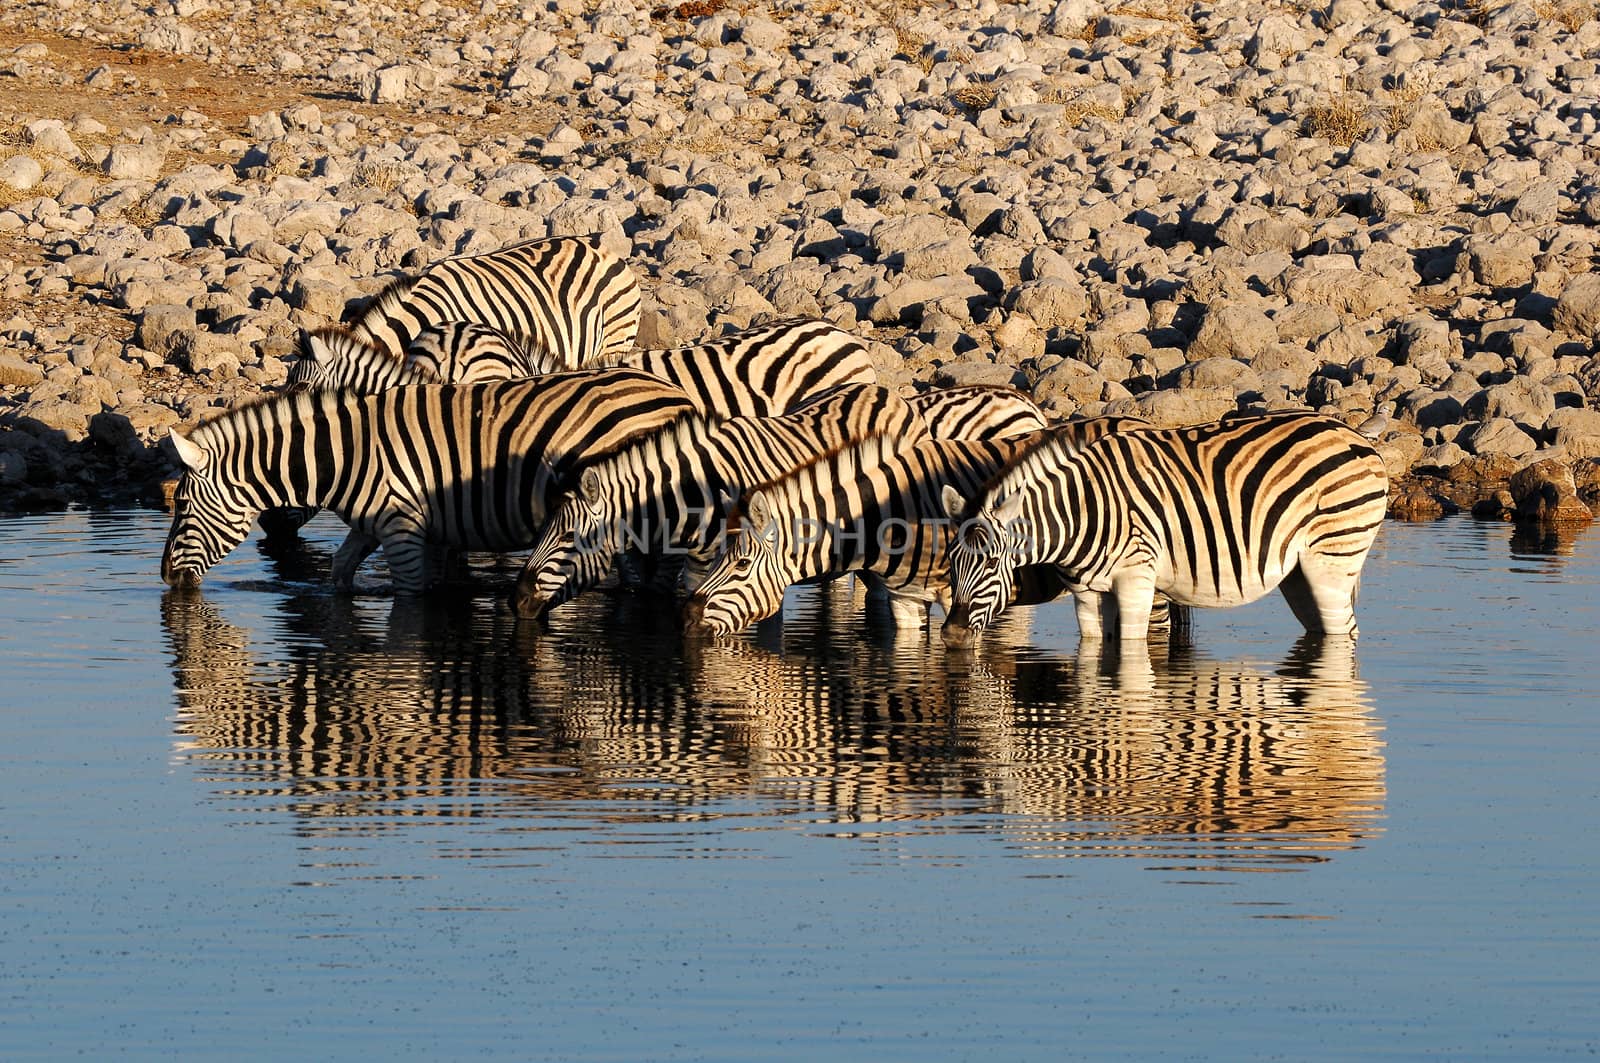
{"points": [[471, 466], [565, 300], [762, 371], [977, 411], [335, 359], [1213, 516], [664, 492], [466, 352], [873, 507]]}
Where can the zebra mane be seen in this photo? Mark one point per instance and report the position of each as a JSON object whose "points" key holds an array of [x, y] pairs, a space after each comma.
{"points": [[875, 448], [389, 301], [303, 404], [1057, 441]]}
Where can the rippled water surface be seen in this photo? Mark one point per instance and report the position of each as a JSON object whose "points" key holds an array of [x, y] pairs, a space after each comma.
{"points": [[267, 820]]}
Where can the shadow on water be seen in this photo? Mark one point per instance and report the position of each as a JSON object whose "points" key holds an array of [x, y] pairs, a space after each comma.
{"points": [[354, 714]]}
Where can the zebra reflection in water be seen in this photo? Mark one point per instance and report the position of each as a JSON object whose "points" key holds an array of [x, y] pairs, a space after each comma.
{"points": [[358, 715]]}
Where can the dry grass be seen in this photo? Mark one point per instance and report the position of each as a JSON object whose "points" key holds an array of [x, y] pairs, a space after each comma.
{"points": [[1404, 107], [913, 45], [1342, 122], [1568, 14], [974, 98], [383, 176], [1075, 113]]}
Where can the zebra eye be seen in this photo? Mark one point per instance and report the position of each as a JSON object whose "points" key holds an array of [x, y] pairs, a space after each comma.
{"points": [[742, 565]]}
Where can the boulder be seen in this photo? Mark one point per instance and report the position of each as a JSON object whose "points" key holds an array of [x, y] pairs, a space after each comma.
{"points": [[1546, 492]]}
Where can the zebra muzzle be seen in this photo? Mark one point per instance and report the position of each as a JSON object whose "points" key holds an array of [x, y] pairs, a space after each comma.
{"points": [[957, 630], [694, 618]]}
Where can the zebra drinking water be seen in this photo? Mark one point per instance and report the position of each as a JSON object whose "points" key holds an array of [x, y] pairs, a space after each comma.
{"points": [[1216, 515], [871, 507], [665, 492], [473, 466]]}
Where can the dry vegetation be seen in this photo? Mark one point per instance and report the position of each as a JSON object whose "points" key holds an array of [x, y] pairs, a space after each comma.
{"points": [[1343, 121]]}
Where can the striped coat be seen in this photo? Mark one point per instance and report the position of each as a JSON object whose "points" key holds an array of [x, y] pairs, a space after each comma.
{"points": [[872, 507], [565, 300], [667, 492], [473, 466], [1211, 516]]}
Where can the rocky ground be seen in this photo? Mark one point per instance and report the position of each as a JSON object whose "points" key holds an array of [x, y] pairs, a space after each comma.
{"points": [[1175, 210]]}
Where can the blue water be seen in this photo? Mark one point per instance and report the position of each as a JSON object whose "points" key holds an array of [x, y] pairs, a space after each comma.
{"points": [[270, 821]]}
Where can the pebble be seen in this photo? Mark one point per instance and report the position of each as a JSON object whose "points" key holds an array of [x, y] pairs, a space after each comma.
{"points": [[1050, 193]]}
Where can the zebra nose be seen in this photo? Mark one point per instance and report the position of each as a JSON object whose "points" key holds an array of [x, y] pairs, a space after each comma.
{"points": [[957, 634], [694, 617], [528, 603], [183, 579]]}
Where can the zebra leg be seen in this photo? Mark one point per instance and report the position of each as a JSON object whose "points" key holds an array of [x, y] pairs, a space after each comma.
{"points": [[909, 613], [1135, 596], [407, 555], [1091, 607], [1324, 599], [356, 548]]}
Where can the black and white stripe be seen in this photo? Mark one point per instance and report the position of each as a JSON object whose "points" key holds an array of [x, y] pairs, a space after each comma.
{"points": [[872, 507], [1211, 516], [666, 493], [473, 466], [565, 300], [335, 359], [762, 371], [978, 411]]}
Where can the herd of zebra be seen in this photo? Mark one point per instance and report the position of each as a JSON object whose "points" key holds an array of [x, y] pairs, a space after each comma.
{"points": [[498, 402]]}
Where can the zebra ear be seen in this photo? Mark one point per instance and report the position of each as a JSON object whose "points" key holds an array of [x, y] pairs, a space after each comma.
{"points": [[1009, 509], [314, 345], [589, 486], [954, 505], [756, 511], [192, 456]]}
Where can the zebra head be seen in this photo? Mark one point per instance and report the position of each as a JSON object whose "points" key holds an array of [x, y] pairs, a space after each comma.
{"points": [[208, 519], [746, 584], [983, 557], [333, 357], [574, 550]]}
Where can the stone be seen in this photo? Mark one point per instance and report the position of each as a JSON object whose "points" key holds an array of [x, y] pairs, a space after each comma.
{"points": [[1577, 309], [17, 372], [1052, 302], [1500, 436], [134, 162], [1232, 331], [21, 172], [1545, 491], [164, 328], [1176, 409]]}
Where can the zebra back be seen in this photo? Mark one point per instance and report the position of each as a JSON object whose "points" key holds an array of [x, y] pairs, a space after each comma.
{"points": [[763, 371], [978, 411], [465, 352], [1213, 515], [565, 300], [474, 466]]}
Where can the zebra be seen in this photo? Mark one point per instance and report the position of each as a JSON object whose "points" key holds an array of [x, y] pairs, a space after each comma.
{"points": [[872, 507], [978, 411], [334, 358], [473, 466], [761, 371], [564, 299], [668, 491], [1210, 516]]}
